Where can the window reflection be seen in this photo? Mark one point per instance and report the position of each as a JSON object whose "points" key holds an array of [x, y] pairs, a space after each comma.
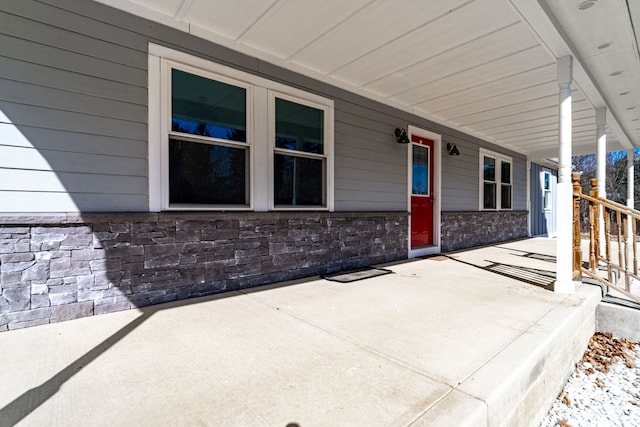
{"points": [[298, 181], [206, 174], [206, 107]]}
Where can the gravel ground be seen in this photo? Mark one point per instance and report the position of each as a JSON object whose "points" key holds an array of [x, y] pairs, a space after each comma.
{"points": [[605, 388]]}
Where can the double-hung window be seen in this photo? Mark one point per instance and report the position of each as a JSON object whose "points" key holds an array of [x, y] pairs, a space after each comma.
{"points": [[224, 139], [299, 153], [496, 181], [208, 142]]}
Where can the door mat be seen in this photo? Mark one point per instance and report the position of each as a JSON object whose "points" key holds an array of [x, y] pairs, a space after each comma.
{"points": [[353, 275]]}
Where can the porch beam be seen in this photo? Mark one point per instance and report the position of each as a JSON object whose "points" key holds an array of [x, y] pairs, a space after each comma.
{"points": [[564, 214]]}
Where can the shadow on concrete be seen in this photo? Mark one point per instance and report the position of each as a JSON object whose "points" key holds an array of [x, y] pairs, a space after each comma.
{"points": [[30, 400], [533, 276], [15, 411]]}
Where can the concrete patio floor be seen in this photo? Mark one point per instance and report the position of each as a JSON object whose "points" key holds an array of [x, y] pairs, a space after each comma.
{"points": [[470, 338]]}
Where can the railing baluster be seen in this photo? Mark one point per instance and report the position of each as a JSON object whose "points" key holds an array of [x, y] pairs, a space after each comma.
{"points": [[619, 235], [593, 192], [601, 210], [625, 231], [633, 244], [607, 242], [577, 239], [593, 260]]}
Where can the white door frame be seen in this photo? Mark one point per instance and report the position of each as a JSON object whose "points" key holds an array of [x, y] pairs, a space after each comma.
{"points": [[437, 150]]}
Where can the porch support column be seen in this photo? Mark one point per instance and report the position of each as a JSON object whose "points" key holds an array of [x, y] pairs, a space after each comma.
{"points": [[630, 190], [564, 214], [601, 167]]}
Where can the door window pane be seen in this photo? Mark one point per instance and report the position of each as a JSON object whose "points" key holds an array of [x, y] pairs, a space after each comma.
{"points": [[547, 181], [547, 200], [298, 181], [420, 170], [206, 107], [299, 127], [206, 174]]}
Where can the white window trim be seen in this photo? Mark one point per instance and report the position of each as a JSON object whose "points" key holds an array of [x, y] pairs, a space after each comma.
{"points": [[545, 191], [327, 148], [165, 102], [498, 158], [258, 110]]}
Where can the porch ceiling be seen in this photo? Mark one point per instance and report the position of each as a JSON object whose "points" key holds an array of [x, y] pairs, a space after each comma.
{"points": [[486, 67]]}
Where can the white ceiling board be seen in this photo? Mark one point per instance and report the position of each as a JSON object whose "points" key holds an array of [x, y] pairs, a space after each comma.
{"points": [[548, 102], [521, 131], [167, 7], [496, 88], [483, 50], [515, 98], [229, 18], [377, 24], [483, 74], [552, 135], [290, 25], [433, 38]]}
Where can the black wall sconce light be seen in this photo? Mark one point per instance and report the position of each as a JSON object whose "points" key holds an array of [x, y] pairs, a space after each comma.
{"points": [[452, 149], [401, 136]]}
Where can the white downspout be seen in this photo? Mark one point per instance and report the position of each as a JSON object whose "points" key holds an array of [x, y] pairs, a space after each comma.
{"points": [[564, 214]]}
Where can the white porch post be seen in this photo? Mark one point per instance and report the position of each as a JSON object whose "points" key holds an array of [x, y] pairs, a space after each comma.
{"points": [[630, 190], [630, 180], [601, 166], [564, 214]]}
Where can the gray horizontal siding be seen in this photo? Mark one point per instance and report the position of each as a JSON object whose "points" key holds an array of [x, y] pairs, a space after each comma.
{"points": [[29, 158], [52, 182], [73, 130], [73, 83], [57, 99], [42, 201], [62, 140], [72, 121], [460, 186], [24, 50], [41, 75], [43, 32]]}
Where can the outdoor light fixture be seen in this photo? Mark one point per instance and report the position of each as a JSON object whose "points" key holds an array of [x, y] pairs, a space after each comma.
{"points": [[452, 149], [401, 136]]}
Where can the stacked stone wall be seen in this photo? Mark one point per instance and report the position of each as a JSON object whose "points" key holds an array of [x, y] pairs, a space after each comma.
{"points": [[461, 230], [61, 267]]}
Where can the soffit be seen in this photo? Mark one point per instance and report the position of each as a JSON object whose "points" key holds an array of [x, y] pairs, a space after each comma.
{"points": [[486, 67]]}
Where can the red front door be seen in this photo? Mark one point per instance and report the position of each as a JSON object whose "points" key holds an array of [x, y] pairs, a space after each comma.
{"points": [[421, 192]]}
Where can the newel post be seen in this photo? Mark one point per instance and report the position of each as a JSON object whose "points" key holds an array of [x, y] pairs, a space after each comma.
{"points": [[577, 251]]}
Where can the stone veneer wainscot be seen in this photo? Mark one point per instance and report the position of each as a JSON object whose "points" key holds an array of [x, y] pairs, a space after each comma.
{"points": [[461, 230], [64, 266]]}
